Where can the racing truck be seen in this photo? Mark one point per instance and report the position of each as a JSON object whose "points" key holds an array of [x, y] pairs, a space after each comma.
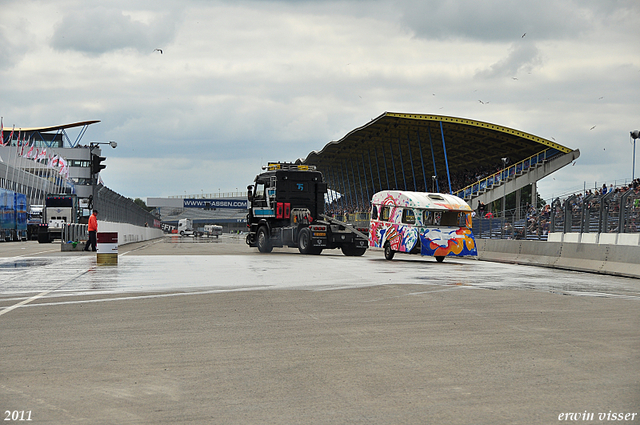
{"points": [[286, 208]]}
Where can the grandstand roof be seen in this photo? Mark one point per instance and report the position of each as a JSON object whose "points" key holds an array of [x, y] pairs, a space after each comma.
{"points": [[52, 127], [405, 142]]}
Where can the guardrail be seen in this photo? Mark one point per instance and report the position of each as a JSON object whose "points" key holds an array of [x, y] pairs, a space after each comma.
{"points": [[74, 232]]}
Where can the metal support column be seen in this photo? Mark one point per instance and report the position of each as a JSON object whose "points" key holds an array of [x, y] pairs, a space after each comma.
{"points": [[375, 151], [435, 171], [386, 172], [359, 180], [373, 185], [364, 172], [355, 193], [446, 161], [424, 174], [341, 189], [393, 164], [413, 173], [404, 179]]}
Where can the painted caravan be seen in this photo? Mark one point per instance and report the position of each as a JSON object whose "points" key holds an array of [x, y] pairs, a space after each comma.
{"points": [[432, 224]]}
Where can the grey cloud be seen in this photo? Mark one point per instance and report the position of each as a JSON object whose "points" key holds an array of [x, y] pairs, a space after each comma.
{"points": [[522, 57], [99, 30], [497, 20]]}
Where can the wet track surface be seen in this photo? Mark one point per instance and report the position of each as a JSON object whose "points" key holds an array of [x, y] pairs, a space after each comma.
{"points": [[211, 331], [141, 272]]}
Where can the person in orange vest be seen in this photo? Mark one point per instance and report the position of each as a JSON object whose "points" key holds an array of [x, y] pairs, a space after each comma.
{"points": [[93, 229]]}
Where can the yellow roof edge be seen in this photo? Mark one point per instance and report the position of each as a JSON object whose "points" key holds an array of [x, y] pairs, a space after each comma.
{"points": [[481, 124]]}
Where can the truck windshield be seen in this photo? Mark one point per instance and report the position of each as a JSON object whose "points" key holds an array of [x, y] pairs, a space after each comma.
{"points": [[59, 202]]}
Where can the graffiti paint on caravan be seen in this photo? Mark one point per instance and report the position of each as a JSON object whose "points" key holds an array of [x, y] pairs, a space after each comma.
{"points": [[431, 224]]}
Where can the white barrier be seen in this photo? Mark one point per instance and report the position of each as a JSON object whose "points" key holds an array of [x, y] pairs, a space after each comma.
{"points": [[128, 233], [620, 259], [627, 239]]}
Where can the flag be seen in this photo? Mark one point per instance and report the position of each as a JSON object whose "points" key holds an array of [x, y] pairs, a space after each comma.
{"points": [[31, 153], [23, 146], [8, 143], [1, 132], [64, 170], [41, 155], [53, 161]]}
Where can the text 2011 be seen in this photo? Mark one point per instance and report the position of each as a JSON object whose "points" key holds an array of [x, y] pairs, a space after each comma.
{"points": [[17, 415]]}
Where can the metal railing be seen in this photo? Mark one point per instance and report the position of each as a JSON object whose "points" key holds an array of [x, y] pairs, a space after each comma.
{"points": [[617, 211], [237, 194], [114, 207], [497, 179], [74, 232]]}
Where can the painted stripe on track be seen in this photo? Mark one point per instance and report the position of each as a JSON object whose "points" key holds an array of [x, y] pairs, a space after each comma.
{"points": [[42, 294]]}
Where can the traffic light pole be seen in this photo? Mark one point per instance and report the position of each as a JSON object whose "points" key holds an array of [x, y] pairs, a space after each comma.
{"points": [[96, 166]]}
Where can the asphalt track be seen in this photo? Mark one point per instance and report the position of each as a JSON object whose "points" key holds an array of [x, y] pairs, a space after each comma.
{"points": [[210, 331]]}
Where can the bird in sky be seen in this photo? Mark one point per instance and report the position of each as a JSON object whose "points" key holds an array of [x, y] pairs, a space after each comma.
{"points": [[592, 127], [523, 35], [158, 50]]}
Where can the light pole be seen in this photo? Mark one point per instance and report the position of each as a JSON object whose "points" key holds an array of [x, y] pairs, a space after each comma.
{"points": [[95, 166], [634, 135]]}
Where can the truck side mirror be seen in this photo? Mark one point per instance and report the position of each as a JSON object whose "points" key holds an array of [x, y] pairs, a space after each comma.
{"points": [[250, 193]]}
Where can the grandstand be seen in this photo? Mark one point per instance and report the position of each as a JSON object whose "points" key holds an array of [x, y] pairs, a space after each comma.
{"points": [[478, 161], [38, 161]]}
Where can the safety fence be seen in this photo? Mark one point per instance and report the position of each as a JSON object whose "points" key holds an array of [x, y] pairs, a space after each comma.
{"points": [[116, 208], [617, 211]]}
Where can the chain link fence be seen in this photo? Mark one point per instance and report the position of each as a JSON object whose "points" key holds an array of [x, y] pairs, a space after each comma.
{"points": [[116, 208]]}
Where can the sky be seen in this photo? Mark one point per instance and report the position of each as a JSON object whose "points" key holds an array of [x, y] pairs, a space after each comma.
{"points": [[240, 83]]}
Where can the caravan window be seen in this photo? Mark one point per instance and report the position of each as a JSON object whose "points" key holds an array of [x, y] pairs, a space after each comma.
{"points": [[374, 213], [427, 218], [449, 218], [385, 213], [441, 218], [408, 216]]}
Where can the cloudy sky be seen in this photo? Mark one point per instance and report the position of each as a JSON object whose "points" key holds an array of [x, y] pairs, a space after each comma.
{"points": [[240, 83]]}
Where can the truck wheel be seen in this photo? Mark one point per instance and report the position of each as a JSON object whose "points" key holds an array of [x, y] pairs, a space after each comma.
{"points": [[304, 243], [264, 244], [388, 252], [352, 251], [439, 258]]}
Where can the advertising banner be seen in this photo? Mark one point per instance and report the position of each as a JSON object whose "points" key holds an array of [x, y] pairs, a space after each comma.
{"points": [[238, 204]]}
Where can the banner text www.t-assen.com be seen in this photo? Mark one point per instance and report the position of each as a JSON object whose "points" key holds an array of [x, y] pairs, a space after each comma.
{"points": [[238, 204]]}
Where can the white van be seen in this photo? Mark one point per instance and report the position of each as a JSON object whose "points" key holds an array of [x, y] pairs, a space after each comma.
{"points": [[432, 224]]}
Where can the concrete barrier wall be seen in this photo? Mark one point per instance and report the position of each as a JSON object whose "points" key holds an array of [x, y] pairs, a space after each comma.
{"points": [[621, 260], [128, 233]]}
